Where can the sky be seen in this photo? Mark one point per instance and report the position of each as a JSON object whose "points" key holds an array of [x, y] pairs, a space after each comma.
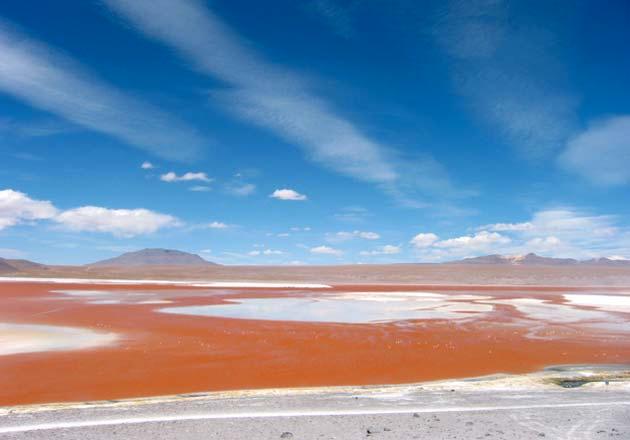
{"points": [[314, 132]]}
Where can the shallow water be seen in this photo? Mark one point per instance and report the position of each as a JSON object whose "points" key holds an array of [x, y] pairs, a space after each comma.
{"points": [[241, 338]]}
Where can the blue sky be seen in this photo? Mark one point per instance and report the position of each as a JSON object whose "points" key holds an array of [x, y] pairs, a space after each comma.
{"points": [[314, 132]]}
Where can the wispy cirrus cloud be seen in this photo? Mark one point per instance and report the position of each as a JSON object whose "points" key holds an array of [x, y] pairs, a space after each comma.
{"points": [[335, 15], [51, 81], [601, 153], [275, 98], [508, 73]]}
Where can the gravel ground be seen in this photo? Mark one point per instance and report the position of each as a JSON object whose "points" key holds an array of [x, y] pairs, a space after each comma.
{"points": [[508, 407]]}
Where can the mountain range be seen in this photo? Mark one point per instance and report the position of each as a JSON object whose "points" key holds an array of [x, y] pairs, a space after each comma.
{"points": [[532, 259], [178, 262]]}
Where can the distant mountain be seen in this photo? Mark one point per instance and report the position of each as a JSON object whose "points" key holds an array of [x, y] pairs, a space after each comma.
{"points": [[155, 257], [5, 267], [25, 265], [536, 260], [485, 259], [606, 262]]}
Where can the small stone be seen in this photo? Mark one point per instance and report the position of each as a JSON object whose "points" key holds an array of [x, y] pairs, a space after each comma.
{"points": [[416, 415], [286, 434]]}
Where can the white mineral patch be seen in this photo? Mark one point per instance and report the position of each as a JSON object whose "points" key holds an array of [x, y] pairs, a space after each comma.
{"points": [[31, 338], [210, 284], [350, 308], [542, 310], [612, 303]]}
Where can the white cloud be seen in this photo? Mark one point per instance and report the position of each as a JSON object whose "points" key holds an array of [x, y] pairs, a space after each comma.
{"points": [[388, 249], [543, 244], [349, 235], [287, 194], [571, 223], [366, 235], [272, 252], [187, 177], [481, 240], [256, 253], [52, 82], [119, 222], [272, 97], [240, 189], [601, 153], [301, 229], [559, 232], [218, 225], [326, 250], [16, 207], [505, 227], [424, 240], [570, 232], [147, 165]]}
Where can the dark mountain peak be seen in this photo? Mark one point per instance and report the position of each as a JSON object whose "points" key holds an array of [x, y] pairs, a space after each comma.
{"points": [[155, 257]]}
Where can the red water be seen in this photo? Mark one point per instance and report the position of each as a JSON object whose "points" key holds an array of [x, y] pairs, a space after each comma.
{"points": [[162, 354]]}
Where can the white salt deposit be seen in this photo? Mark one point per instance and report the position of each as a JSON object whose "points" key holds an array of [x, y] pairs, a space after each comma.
{"points": [[31, 338], [542, 310], [612, 303], [350, 308], [217, 284]]}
